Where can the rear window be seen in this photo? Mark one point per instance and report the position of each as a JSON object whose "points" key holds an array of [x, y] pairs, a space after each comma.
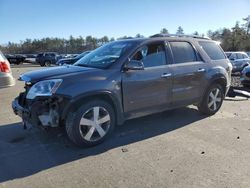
{"points": [[245, 56], [228, 54], [183, 52], [213, 50]]}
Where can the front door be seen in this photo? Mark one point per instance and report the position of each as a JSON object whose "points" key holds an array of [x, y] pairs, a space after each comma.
{"points": [[149, 89]]}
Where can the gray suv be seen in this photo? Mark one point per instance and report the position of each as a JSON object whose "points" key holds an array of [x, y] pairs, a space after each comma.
{"points": [[122, 80], [239, 60]]}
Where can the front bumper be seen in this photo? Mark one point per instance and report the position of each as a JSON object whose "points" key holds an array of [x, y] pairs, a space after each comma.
{"points": [[19, 110], [6, 80], [43, 112], [23, 113]]}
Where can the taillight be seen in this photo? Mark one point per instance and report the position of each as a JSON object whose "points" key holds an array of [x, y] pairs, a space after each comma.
{"points": [[4, 66]]}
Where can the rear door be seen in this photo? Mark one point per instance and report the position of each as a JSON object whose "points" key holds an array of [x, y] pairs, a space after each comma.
{"points": [[148, 90], [188, 73]]}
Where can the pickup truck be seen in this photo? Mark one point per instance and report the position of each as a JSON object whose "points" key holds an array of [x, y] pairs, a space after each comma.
{"points": [[15, 58]]}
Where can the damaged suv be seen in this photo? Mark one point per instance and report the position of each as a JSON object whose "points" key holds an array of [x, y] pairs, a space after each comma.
{"points": [[122, 80]]}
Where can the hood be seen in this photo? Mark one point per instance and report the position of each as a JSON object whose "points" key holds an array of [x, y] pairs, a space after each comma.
{"points": [[53, 72]]}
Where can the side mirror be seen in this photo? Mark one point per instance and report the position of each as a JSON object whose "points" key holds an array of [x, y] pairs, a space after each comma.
{"points": [[134, 65], [232, 59]]}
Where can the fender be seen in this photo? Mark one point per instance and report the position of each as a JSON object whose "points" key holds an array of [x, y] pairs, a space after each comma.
{"points": [[217, 74], [116, 102]]}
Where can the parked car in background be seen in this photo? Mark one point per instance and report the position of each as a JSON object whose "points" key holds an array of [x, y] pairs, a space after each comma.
{"points": [[248, 53], [30, 58], [6, 78], [47, 58], [122, 80], [245, 77], [69, 55], [15, 58], [239, 60], [71, 60]]}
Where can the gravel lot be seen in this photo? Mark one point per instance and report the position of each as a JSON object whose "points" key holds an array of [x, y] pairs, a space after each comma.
{"points": [[178, 148]]}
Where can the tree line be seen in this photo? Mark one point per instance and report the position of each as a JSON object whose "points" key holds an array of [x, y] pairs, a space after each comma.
{"points": [[232, 39]]}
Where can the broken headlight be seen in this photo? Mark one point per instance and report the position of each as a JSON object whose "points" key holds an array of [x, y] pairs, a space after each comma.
{"points": [[44, 88]]}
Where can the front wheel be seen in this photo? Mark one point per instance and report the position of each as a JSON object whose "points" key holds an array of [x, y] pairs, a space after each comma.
{"points": [[91, 124], [212, 100]]}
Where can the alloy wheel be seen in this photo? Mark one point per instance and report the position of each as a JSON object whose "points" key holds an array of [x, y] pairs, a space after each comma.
{"points": [[214, 99], [94, 123]]}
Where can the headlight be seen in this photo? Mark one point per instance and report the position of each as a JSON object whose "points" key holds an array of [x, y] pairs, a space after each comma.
{"points": [[44, 88]]}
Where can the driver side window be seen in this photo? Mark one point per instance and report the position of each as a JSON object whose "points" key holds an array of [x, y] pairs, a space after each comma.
{"points": [[151, 55]]}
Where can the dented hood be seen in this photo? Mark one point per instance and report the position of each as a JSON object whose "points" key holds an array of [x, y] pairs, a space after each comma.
{"points": [[53, 72]]}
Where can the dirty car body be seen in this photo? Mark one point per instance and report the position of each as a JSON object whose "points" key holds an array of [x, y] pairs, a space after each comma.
{"points": [[124, 80]]}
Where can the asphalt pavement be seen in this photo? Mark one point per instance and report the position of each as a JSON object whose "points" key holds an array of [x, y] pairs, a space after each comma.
{"points": [[178, 148]]}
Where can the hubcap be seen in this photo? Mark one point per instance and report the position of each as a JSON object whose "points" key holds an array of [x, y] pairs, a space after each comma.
{"points": [[94, 123], [215, 99]]}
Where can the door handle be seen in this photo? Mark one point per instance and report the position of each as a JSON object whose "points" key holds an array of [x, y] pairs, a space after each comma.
{"points": [[201, 70], [166, 75]]}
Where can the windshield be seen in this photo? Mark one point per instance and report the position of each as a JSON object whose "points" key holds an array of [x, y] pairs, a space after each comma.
{"points": [[105, 55]]}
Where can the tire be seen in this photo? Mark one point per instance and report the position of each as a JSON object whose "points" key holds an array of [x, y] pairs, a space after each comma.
{"points": [[82, 128], [212, 100], [47, 63], [42, 64]]}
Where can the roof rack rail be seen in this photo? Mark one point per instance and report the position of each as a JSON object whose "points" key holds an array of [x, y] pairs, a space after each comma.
{"points": [[177, 35]]}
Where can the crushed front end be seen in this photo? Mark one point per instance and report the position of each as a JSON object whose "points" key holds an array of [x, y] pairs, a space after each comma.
{"points": [[41, 110]]}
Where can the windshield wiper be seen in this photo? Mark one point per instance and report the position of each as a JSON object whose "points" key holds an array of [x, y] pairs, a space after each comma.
{"points": [[85, 65]]}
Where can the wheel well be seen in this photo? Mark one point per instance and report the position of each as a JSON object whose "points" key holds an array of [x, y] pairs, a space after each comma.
{"points": [[105, 97], [222, 82]]}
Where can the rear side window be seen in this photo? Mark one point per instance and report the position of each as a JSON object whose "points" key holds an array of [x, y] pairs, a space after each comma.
{"points": [[213, 50], [239, 56], [183, 52]]}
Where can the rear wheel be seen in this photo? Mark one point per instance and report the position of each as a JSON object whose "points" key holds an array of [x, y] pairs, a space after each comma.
{"points": [[212, 100], [91, 124]]}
